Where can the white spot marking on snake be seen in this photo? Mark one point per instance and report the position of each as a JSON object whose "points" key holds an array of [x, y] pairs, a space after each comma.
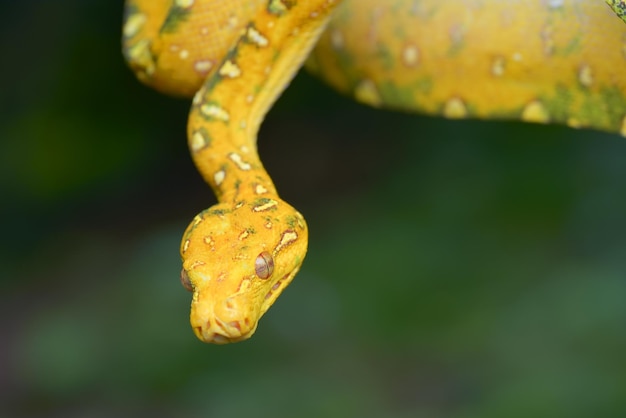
{"points": [[257, 37], [230, 69], [287, 238], [186, 246], [498, 66], [366, 92], [555, 4], [265, 206], [208, 240], [185, 4], [536, 112], [300, 220], [198, 97], [197, 220], [585, 76], [203, 66], [278, 6], [198, 141], [260, 189], [455, 108], [134, 24], [572, 122], [239, 162], [184, 54], [213, 111], [410, 55], [241, 256], [219, 177], [141, 55]]}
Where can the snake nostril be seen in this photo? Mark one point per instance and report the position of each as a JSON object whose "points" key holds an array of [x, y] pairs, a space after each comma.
{"points": [[235, 324]]}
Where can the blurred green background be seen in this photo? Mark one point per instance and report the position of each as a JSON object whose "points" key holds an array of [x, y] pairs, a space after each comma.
{"points": [[456, 269]]}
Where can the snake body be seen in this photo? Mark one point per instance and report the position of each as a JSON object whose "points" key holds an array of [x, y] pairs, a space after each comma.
{"points": [[550, 61]]}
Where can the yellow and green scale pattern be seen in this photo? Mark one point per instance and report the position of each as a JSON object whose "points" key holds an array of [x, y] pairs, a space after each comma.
{"points": [[543, 61]]}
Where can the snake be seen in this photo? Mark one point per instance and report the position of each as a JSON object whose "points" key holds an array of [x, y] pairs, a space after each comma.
{"points": [[540, 61]]}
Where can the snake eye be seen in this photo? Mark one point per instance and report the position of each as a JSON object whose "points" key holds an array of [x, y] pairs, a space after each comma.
{"points": [[186, 282], [264, 265]]}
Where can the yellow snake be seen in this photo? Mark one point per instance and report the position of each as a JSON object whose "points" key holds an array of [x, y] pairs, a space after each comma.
{"points": [[548, 61]]}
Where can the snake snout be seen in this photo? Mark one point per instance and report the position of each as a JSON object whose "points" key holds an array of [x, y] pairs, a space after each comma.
{"points": [[217, 331], [227, 324]]}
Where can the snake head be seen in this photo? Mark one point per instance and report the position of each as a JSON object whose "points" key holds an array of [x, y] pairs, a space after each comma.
{"points": [[237, 259]]}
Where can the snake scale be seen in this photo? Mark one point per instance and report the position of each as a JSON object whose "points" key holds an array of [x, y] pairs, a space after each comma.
{"points": [[544, 61]]}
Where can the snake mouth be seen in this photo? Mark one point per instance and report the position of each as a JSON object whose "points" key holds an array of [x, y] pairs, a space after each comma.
{"points": [[213, 337], [216, 331]]}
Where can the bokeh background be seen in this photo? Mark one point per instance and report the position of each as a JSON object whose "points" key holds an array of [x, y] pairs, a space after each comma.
{"points": [[456, 269]]}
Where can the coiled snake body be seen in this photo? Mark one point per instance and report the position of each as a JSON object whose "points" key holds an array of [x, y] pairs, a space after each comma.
{"points": [[547, 61]]}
